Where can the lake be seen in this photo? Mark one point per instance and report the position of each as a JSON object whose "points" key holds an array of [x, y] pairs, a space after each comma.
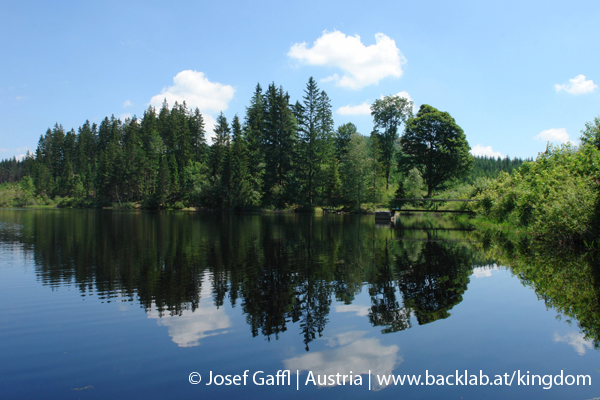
{"points": [[104, 304]]}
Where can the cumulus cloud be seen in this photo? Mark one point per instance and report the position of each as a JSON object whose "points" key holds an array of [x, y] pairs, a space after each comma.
{"points": [[360, 65], [557, 135], [577, 85], [189, 328], [575, 340], [405, 95], [124, 116], [127, 103], [481, 151], [350, 352], [484, 272], [198, 92], [361, 109], [360, 311]]}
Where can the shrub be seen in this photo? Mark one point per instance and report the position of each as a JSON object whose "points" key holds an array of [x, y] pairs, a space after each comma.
{"points": [[554, 197]]}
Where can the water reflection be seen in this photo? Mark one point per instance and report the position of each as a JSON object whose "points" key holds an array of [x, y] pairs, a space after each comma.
{"points": [[351, 354], [189, 327], [567, 280], [284, 271], [575, 340]]}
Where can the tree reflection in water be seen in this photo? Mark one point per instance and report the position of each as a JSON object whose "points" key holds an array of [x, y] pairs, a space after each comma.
{"points": [[287, 269]]}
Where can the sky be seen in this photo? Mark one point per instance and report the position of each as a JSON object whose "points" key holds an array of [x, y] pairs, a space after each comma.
{"points": [[513, 74]]}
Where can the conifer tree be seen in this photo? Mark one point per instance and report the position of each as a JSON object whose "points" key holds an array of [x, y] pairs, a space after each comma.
{"points": [[254, 134], [241, 193], [309, 140], [280, 145], [219, 163]]}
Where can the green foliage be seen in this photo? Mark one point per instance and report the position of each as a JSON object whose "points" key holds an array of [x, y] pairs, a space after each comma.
{"points": [[413, 185], [27, 191], [285, 155], [376, 179], [279, 146], [490, 167], [178, 205], [388, 114], [437, 146], [342, 138], [316, 154], [555, 197], [591, 133], [355, 170], [196, 182], [9, 194]]}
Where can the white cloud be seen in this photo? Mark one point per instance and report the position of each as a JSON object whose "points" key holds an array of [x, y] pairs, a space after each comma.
{"points": [[484, 272], [190, 327], [198, 92], [124, 116], [577, 85], [575, 340], [558, 135], [361, 109], [353, 353], [481, 151], [360, 311], [361, 65], [405, 95], [20, 153], [127, 103]]}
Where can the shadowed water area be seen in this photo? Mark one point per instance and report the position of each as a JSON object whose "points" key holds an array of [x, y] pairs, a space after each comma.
{"points": [[105, 304]]}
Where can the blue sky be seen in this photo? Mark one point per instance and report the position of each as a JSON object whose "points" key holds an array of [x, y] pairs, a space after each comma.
{"points": [[513, 74]]}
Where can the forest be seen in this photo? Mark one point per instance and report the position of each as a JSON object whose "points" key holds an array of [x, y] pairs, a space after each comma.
{"points": [[281, 155]]}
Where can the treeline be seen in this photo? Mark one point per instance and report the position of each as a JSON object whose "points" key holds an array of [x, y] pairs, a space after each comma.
{"points": [[12, 170], [281, 154], [490, 167]]}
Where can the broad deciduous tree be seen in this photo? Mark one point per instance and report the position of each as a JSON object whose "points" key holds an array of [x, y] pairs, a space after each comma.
{"points": [[435, 145]]}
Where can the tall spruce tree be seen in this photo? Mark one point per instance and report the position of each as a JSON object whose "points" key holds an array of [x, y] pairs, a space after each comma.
{"points": [[241, 189], [309, 139], [254, 134], [219, 163], [328, 174], [279, 146]]}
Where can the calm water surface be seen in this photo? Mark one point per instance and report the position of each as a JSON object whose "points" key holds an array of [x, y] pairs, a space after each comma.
{"points": [[100, 304]]}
